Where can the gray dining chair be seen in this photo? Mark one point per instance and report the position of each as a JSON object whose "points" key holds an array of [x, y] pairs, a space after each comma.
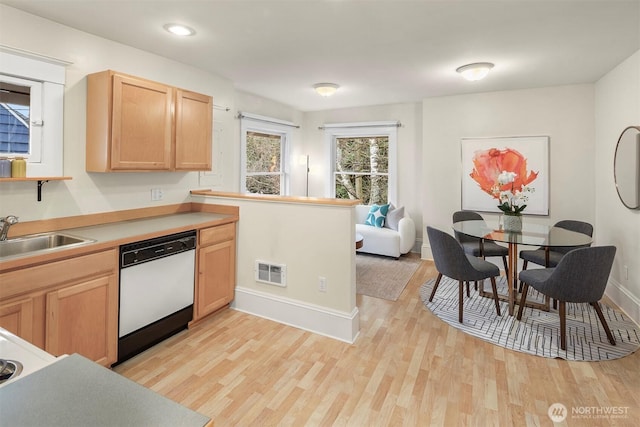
{"points": [[580, 277], [555, 254], [453, 262], [479, 247], [551, 256]]}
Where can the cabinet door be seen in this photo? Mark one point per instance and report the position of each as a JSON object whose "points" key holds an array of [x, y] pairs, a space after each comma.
{"points": [[83, 319], [216, 277], [194, 121], [17, 318], [141, 125]]}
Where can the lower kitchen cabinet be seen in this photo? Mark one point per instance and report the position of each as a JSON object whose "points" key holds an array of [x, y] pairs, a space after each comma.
{"points": [[83, 319], [216, 279], [17, 317], [64, 307]]}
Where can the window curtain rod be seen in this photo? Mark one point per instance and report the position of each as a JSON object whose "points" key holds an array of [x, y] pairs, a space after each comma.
{"points": [[258, 118], [360, 125], [221, 107]]}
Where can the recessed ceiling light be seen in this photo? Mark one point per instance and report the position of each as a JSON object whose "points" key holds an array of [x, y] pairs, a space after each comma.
{"points": [[475, 71], [179, 29], [326, 89]]}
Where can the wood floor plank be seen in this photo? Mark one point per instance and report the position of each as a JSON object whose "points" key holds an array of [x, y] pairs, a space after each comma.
{"points": [[407, 368]]}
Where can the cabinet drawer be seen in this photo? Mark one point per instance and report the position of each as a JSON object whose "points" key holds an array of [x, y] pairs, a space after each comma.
{"points": [[221, 233]]}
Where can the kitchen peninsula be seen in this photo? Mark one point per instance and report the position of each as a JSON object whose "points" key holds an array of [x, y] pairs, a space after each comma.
{"points": [[310, 240]]}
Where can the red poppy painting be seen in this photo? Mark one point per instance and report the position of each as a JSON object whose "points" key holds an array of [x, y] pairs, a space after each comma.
{"points": [[523, 158]]}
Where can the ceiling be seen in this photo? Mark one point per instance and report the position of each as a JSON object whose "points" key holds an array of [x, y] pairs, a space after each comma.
{"points": [[379, 52]]}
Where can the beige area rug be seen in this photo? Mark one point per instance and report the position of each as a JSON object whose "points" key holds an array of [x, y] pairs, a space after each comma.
{"points": [[384, 277]]}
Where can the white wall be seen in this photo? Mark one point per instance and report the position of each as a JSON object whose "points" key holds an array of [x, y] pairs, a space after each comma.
{"points": [[91, 193], [617, 105], [564, 113], [409, 150]]}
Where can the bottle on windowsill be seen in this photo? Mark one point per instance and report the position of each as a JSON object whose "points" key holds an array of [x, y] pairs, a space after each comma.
{"points": [[5, 167], [18, 168]]}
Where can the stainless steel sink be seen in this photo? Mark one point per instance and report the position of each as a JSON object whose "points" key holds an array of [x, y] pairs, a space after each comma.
{"points": [[38, 243]]}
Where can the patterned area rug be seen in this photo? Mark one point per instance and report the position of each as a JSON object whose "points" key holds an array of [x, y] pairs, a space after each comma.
{"points": [[538, 332], [384, 277]]}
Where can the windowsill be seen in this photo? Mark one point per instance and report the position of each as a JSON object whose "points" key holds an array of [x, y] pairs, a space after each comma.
{"points": [[276, 198]]}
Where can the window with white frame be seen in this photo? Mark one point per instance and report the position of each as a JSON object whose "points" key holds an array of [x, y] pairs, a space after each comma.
{"points": [[31, 110], [363, 161], [20, 99], [265, 144]]}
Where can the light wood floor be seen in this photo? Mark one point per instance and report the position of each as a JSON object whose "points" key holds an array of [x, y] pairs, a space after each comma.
{"points": [[406, 368]]}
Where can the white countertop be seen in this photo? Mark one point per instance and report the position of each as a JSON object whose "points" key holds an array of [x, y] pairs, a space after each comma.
{"points": [[31, 357]]}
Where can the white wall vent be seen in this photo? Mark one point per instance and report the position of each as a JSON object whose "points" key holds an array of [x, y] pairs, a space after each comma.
{"points": [[273, 274]]}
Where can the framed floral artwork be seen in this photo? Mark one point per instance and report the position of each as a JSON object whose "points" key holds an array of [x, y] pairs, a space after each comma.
{"points": [[525, 159]]}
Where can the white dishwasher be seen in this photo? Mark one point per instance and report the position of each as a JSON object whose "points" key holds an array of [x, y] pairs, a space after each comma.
{"points": [[156, 291]]}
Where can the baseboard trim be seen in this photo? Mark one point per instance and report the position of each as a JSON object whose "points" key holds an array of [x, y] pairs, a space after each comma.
{"points": [[425, 252], [624, 299], [320, 320], [417, 246]]}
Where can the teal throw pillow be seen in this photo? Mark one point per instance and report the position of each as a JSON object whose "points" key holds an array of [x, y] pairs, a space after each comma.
{"points": [[377, 215]]}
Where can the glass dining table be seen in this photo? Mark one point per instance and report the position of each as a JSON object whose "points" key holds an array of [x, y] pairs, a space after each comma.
{"points": [[541, 235]]}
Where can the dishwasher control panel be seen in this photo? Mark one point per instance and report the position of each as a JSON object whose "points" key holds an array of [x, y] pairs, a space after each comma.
{"points": [[159, 247]]}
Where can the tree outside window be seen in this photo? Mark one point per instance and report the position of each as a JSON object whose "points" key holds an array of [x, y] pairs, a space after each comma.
{"points": [[363, 161], [263, 163], [362, 169], [265, 143]]}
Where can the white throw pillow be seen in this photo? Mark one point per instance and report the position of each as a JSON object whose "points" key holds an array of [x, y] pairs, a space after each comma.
{"points": [[393, 218]]}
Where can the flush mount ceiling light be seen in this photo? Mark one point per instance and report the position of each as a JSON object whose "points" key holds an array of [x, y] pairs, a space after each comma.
{"points": [[476, 71], [326, 89], [179, 29]]}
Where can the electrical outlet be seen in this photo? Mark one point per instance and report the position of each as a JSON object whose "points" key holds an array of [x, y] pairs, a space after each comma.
{"points": [[322, 284], [156, 194]]}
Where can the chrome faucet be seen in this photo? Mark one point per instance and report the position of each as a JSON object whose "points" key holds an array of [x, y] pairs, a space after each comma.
{"points": [[7, 222]]}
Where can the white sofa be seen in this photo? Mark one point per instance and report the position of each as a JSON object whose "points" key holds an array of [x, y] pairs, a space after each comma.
{"points": [[385, 241]]}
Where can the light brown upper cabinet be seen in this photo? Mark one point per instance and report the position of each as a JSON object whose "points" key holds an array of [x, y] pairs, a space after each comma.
{"points": [[138, 125], [193, 131]]}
